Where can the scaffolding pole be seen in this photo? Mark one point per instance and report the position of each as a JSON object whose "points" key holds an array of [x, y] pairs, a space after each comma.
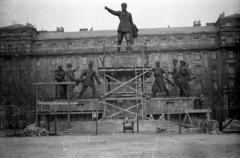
{"points": [[139, 72]]}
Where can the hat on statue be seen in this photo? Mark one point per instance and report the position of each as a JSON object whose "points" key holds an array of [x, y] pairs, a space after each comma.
{"points": [[184, 62], [90, 62], [69, 65]]}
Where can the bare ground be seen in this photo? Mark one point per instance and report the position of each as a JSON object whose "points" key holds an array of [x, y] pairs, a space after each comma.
{"points": [[122, 146]]}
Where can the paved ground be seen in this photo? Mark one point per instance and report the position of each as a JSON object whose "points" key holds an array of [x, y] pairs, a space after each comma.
{"points": [[123, 146]]}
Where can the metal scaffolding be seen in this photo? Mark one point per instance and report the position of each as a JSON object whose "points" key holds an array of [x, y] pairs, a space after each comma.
{"points": [[139, 92]]}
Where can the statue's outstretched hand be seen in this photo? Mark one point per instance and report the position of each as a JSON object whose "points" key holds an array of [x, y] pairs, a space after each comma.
{"points": [[106, 8]]}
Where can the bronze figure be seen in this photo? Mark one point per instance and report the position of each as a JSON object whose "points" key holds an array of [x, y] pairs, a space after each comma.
{"points": [[159, 84], [89, 74], [60, 77], [124, 27], [70, 77]]}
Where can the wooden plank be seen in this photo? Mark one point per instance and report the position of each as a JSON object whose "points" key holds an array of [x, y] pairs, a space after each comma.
{"points": [[198, 110], [124, 98], [53, 83], [122, 111], [175, 99], [189, 118], [56, 103], [65, 113]]}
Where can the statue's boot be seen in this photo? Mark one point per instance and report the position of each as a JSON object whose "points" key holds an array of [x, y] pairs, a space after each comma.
{"points": [[118, 49], [129, 49]]}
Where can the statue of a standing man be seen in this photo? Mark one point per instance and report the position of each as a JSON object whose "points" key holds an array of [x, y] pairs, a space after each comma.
{"points": [[89, 74], [124, 27]]}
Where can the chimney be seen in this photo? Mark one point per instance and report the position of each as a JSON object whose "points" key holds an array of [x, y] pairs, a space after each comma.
{"points": [[197, 23], [210, 24], [222, 15], [83, 29], [60, 29]]}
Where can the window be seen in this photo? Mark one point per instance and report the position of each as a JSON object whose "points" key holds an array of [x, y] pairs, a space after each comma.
{"points": [[10, 48], [9, 74], [164, 57], [195, 38], [39, 44], [24, 32], [9, 63], [100, 42], [180, 56], [231, 71], [53, 61], [198, 70], [237, 39], [228, 24], [231, 55], [211, 40], [22, 48], [84, 42], [149, 58], [215, 85], [10, 33], [22, 74], [54, 44], [84, 60], [214, 76], [69, 43], [15, 48], [229, 40], [214, 73], [231, 83], [60, 60], [179, 39], [197, 56], [213, 55], [21, 63], [164, 38], [198, 85], [69, 60], [38, 63], [148, 41], [2, 48]]}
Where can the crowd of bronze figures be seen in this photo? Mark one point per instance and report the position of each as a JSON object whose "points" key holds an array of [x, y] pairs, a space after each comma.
{"points": [[181, 76]]}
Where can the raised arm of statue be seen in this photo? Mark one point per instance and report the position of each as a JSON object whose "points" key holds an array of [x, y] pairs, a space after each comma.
{"points": [[112, 11]]}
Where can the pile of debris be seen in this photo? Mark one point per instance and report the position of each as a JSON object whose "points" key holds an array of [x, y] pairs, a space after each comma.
{"points": [[34, 131], [234, 124]]}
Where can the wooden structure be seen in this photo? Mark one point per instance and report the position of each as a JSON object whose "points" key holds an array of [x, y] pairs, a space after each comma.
{"points": [[113, 64], [123, 94]]}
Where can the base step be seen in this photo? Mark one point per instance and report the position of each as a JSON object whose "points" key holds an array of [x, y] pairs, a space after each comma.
{"points": [[117, 126]]}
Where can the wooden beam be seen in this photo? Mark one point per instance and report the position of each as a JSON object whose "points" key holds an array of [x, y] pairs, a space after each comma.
{"points": [[123, 84], [198, 111], [126, 85], [123, 109], [54, 83]]}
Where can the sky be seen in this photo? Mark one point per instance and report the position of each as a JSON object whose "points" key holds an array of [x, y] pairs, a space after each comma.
{"points": [[75, 14]]}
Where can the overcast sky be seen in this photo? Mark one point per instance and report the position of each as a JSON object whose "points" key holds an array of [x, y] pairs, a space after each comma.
{"points": [[75, 14]]}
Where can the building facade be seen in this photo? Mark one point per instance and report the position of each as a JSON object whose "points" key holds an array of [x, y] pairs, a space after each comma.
{"points": [[212, 52]]}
